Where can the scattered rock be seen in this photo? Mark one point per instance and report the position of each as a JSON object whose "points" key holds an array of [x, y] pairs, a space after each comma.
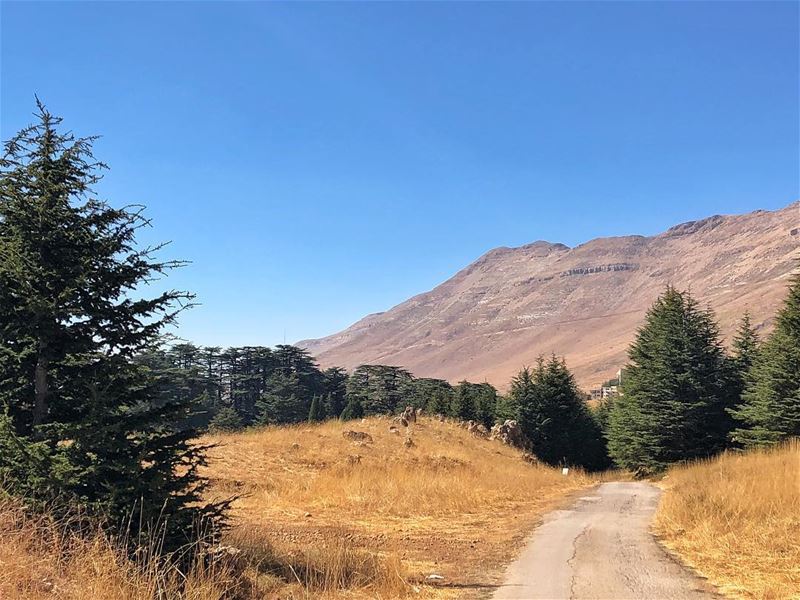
{"points": [[410, 414], [394, 430], [510, 433], [307, 515], [356, 436], [477, 429]]}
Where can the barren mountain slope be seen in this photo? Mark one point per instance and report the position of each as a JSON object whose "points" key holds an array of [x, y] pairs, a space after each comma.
{"points": [[586, 302]]}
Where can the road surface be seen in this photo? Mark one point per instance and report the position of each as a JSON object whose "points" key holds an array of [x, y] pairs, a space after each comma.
{"points": [[601, 548]]}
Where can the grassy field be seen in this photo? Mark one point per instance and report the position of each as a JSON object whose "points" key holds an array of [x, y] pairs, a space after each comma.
{"points": [[736, 519], [321, 516], [330, 508]]}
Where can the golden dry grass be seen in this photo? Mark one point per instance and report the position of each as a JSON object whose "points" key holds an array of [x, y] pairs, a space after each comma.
{"points": [[451, 504], [41, 559], [736, 519], [318, 516]]}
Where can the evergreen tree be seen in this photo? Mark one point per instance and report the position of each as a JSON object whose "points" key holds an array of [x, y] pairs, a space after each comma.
{"points": [[745, 346], [226, 419], [353, 410], [317, 411], [770, 409], [485, 404], [380, 389], [555, 418], [335, 386], [89, 420], [463, 407], [676, 389], [280, 402], [432, 395]]}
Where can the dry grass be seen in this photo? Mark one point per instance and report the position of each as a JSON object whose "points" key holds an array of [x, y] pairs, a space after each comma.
{"points": [[318, 516], [450, 504], [42, 559], [736, 519]]}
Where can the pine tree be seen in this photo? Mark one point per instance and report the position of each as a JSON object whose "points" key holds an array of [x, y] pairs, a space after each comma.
{"points": [[335, 385], [353, 410], [317, 411], [770, 409], [745, 346], [555, 418], [676, 389], [463, 407], [89, 419], [226, 419], [281, 402]]}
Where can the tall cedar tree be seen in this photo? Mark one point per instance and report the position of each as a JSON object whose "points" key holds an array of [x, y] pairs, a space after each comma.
{"points": [[770, 409], [554, 417], [676, 390], [81, 421], [317, 411]]}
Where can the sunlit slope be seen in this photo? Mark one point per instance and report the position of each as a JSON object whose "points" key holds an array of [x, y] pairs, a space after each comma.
{"points": [[736, 519], [445, 502]]}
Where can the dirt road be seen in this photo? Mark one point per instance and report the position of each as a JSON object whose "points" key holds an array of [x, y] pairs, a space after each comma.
{"points": [[600, 548]]}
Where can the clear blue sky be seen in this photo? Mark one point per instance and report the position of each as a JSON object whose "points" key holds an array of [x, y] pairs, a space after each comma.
{"points": [[318, 162]]}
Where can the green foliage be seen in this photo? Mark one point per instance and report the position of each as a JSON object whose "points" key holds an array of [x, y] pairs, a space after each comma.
{"points": [[676, 389], [506, 408], [353, 410], [335, 387], [86, 422], [317, 411], [770, 408], [226, 420], [380, 389], [555, 418], [463, 406], [434, 396]]}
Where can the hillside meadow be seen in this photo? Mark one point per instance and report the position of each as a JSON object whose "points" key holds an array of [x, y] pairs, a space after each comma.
{"points": [[320, 515], [736, 520]]}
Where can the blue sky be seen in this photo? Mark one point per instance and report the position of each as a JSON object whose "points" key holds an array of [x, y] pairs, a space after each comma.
{"points": [[318, 162]]}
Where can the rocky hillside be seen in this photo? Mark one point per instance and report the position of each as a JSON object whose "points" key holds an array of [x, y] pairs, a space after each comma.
{"points": [[585, 302]]}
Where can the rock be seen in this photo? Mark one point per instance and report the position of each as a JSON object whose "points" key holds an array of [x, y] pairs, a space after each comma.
{"points": [[400, 420], [357, 436], [394, 430], [434, 577], [408, 443], [354, 459], [307, 515], [477, 429], [295, 446], [410, 414], [510, 433]]}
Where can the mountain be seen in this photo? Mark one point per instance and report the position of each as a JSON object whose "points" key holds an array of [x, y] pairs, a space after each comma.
{"points": [[585, 303]]}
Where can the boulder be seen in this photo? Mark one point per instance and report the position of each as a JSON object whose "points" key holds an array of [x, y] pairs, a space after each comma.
{"points": [[357, 436], [477, 429], [510, 433]]}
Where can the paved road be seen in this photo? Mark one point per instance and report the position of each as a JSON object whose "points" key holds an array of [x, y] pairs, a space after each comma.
{"points": [[601, 548]]}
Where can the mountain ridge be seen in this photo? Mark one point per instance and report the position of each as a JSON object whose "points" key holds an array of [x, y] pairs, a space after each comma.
{"points": [[511, 304]]}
